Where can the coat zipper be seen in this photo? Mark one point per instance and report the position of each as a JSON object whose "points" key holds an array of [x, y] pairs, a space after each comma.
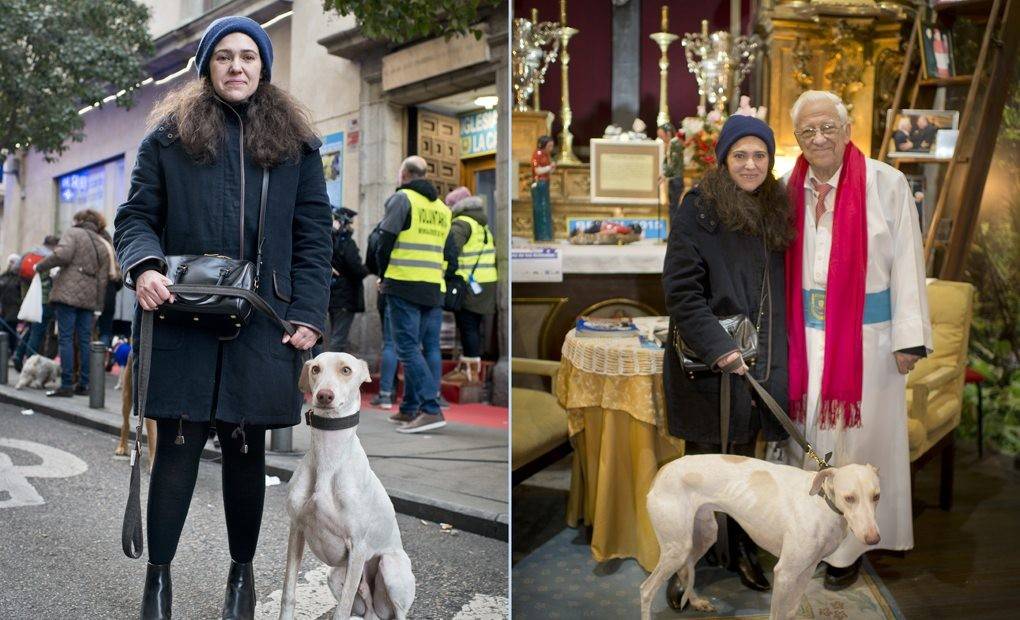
{"points": [[240, 122]]}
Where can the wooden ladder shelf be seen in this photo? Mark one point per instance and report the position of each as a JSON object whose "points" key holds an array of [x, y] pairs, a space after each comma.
{"points": [[959, 194]]}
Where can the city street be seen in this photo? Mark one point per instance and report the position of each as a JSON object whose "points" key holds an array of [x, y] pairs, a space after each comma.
{"points": [[62, 496]]}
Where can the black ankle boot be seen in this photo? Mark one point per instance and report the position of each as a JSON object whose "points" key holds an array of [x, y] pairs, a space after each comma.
{"points": [[747, 566], [239, 603], [838, 578], [157, 596], [674, 593]]}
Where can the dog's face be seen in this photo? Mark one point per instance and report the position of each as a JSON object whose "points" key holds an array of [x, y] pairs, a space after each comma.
{"points": [[854, 489], [333, 380]]}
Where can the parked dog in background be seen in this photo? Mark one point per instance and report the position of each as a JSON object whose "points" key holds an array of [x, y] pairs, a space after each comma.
{"points": [[126, 402], [338, 506], [39, 373], [796, 515]]}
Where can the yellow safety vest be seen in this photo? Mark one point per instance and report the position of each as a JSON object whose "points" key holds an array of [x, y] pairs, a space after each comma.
{"points": [[418, 252], [479, 247]]}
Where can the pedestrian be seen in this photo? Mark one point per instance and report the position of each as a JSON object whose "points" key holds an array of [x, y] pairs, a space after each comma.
{"points": [[78, 293], [725, 257], [471, 256], [409, 254], [10, 299], [104, 323], [34, 342], [672, 165], [542, 166], [196, 189], [346, 292], [857, 308]]}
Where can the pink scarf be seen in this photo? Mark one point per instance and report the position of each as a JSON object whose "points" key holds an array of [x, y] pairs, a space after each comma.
{"points": [[843, 367]]}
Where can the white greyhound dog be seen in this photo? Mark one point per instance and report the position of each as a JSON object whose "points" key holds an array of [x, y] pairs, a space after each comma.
{"points": [[796, 515], [338, 506]]}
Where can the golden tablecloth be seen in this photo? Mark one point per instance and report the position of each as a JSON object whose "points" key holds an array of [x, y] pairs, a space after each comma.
{"points": [[618, 431]]}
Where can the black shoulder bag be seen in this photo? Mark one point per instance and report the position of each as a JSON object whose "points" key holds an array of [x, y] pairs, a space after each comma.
{"points": [[456, 287]]}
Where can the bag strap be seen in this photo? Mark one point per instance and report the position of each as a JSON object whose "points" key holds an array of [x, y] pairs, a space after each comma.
{"points": [[478, 259], [262, 220], [131, 528]]}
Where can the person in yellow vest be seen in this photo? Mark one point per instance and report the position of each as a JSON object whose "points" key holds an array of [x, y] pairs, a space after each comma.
{"points": [[409, 255], [471, 252]]}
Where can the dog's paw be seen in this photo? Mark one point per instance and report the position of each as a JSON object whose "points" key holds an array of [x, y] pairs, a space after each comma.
{"points": [[702, 604]]}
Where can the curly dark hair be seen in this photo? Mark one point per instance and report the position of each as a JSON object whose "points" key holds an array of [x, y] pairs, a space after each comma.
{"points": [[277, 126], [764, 212]]}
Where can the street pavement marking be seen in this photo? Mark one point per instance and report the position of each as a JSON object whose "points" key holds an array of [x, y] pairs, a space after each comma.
{"points": [[485, 607], [14, 482], [312, 600]]}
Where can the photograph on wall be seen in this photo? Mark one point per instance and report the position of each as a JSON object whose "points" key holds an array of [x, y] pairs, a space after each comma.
{"points": [[938, 52], [332, 152], [916, 133]]}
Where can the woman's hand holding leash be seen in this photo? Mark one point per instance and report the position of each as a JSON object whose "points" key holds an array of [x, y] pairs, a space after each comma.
{"points": [[151, 290], [303, 339]]}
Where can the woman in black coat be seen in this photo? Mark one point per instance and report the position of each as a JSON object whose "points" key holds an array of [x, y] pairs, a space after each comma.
{"points": [[726, 242], [196, 189]]}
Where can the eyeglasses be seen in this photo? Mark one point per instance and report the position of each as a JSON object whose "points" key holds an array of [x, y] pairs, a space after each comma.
{"points": [[826, 129]]}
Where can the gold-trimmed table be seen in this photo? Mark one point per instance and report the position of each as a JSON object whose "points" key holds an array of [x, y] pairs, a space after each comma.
{"points": [[612, 391]]}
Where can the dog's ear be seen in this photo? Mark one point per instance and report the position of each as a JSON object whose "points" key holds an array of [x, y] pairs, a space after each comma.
{"points": [[873, 468], [816, 484], [302, 383], [367, 375]]}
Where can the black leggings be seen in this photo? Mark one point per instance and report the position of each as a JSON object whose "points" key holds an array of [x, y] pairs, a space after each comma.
{"points": [[173, 481]]}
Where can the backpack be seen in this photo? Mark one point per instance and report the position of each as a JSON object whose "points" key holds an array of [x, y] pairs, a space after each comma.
{"points": [[28, 263]]}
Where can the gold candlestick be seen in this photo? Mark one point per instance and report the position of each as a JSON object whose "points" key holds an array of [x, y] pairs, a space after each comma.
{"points": [[566, 115], [535, 105], [663, 39]]}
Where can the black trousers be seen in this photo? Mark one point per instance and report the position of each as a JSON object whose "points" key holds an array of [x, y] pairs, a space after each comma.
{"points": [[173, 477], [469, 324]]}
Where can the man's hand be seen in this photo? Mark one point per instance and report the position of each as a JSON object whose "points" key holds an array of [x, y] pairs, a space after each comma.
{"points": [[302, 340], [905, 362], [151, 290]]}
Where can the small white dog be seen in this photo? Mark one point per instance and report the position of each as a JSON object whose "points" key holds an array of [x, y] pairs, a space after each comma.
{"points": [[338, 506], [796, 515], [39, 373]]}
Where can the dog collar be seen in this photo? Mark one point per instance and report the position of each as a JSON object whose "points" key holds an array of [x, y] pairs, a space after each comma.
{"points": [[831, 504], [331, 424]]}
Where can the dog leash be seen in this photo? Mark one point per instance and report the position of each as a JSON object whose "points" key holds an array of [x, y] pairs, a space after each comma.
{"points": [[331, 424], [791, 428], [131, 528]]}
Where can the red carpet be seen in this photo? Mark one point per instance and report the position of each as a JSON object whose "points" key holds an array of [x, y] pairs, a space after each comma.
{"points": [[474, 414]]}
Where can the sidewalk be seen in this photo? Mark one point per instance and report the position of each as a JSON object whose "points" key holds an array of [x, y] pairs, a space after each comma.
{"points": [[456, 475]]}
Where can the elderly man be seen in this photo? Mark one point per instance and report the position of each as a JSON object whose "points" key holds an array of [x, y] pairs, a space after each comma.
{"points": [[857, 314]]}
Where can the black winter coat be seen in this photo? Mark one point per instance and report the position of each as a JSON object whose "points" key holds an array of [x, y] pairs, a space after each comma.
{"points": [[347, 290], [176, 206], [712, 272]]}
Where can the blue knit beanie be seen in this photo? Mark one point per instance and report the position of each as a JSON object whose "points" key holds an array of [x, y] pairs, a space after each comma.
{"points": [[228, 25], [739, 126]]}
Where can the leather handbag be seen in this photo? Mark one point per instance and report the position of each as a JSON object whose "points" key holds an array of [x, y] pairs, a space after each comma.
{"points": [[457, 288], [738, 327], [224, 313]]}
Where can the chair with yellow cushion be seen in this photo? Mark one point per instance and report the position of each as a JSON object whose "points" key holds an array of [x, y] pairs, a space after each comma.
{"points": [[540, 435], [935, 386]]}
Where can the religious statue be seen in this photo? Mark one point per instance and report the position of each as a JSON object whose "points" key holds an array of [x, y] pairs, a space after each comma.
{"points": [[541, 204]]}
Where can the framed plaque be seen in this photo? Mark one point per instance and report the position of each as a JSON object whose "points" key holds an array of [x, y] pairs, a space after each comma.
{"points": [[625, 172]]}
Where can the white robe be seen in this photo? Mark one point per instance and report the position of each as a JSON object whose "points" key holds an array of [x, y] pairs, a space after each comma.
{"points": [[895, 262]]}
